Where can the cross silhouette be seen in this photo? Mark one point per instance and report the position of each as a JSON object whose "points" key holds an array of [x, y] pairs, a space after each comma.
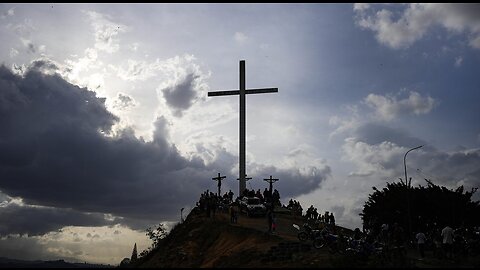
{"points": [[242, 92]]}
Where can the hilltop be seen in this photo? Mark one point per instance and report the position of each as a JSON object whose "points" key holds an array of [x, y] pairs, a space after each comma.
{"points": [[214, 242]]}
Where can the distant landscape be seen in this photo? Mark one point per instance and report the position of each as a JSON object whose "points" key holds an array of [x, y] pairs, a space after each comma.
{"points": [[11, 263]]}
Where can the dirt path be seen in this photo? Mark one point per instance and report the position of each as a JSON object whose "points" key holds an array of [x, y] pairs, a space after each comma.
{"points": [[284, 224]]}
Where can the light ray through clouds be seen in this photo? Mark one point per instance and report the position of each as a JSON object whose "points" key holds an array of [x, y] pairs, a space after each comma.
{"points": [[106, 127]]}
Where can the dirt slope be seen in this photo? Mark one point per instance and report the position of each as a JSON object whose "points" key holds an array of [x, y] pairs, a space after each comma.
{"points": [[215, 242]]}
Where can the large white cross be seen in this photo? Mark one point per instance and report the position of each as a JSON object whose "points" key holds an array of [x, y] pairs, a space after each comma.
{"points": [[242, 92]]}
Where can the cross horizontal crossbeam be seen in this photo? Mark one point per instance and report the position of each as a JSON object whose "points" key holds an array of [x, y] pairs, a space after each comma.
{"points": [[247, 91]]}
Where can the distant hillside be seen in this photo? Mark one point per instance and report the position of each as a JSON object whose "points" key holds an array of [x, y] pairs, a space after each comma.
{"points": [[12, 263]]}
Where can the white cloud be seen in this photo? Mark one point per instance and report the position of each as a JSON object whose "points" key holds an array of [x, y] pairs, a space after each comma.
{"points": [[9, 12], [79, 71], [360, 6], [458, 61], [385, 108], [134, 46], [124, 102], [371, 159], [13, 52], [416, 19], [31, 48], [475, 42], [138, 70], [105, 31], [385, 161], [23, 29], [345, 123], [240, 37], [388, 107]]}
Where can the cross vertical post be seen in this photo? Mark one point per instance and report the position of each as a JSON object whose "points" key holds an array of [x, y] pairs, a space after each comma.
{"points": [[219, 179], [242, 135], [246, 179]]}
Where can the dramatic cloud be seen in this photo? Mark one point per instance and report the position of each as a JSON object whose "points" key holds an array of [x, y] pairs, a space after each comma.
{"points": [[416, 19], [54, 153], [378, 151], [182, 95], [17, 218], [294, 181], [299, 172], [388, 107]]}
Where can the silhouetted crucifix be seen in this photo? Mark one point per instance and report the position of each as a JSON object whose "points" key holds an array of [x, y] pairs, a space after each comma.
{"points": [[242, 92], [271, 181], [219, 179]]}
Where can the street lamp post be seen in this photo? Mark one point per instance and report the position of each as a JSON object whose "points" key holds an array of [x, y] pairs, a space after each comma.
{"points": [[405, 164], [407, 187]]}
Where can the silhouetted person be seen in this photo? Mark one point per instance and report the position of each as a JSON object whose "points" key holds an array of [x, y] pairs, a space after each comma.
{"points": [[398, 235], [266, 195], [447, 235], [332, 219], [421, 238], [270, 219], [232, 213], [276, 197]]}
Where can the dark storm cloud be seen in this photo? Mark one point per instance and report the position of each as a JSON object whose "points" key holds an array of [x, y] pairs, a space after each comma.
{"points": [[29, 220], [293, 181], [181, 95], [53, 153]]}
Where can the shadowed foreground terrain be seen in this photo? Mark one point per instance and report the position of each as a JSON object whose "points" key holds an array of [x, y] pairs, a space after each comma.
{"points": [[213, 242]]}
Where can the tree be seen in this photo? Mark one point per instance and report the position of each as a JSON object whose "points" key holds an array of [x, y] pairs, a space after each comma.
{"points": [[421, 207], [134, 253], [156, 233]]}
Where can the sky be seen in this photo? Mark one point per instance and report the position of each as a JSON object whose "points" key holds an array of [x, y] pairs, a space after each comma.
{"points": [[106, 127]]}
